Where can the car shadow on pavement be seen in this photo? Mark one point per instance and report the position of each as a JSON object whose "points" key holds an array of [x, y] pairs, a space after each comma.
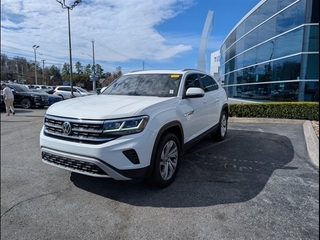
{"points": [[210, 173]]}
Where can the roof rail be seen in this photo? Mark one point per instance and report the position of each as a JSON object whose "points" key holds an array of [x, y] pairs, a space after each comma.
{"points": [[191, 69], [136, 70]]}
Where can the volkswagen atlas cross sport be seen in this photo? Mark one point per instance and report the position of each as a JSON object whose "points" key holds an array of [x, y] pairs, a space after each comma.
{"points": [[137, 128]]}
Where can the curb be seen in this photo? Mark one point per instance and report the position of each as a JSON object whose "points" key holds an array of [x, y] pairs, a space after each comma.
{"points": [[312, 141]]}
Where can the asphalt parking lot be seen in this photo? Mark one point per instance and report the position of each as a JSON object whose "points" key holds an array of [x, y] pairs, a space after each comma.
{"points": [[259, 183]]}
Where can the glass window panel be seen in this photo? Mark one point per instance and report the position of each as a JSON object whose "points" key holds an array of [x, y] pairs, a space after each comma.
{"points": [[252, 21], [290, 18], [268, 9], [249, 57], [231, 39], [240, 46], [239, 61], [311, 90], [315, 11], [286, 69], [312, 64], [289, 43], [265, 52], [251, 39], [284, 3], [240, 30], [312, 36], [267, 30]]}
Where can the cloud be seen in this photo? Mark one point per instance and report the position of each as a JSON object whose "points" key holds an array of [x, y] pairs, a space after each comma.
{"points": [[122, 30]]}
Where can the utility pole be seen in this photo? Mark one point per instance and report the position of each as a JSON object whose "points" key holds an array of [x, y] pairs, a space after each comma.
{"points": [[17, 70], [35, 63], [43, 82], [94, 68], [143, 65]]}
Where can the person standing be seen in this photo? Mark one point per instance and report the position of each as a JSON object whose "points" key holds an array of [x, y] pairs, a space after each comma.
{"points": [[8, 98]]}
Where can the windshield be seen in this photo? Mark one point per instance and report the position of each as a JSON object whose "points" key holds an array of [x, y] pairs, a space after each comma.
{"points": [[20, 88], [160, 85], [81, 89]]}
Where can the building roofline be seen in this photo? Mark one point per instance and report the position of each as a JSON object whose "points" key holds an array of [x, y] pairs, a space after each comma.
{"points": [[244, 18]]}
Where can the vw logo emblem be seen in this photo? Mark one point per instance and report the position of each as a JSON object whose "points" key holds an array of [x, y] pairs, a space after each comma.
{"points": [[66, 128]]}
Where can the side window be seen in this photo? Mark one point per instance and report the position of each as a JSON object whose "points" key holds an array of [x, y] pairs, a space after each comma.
{"points": [[192, 81], [209, 83], [65, 89]]}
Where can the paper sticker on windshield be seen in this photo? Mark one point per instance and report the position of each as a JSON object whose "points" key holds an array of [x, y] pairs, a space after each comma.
{"points": [[175, 75]]}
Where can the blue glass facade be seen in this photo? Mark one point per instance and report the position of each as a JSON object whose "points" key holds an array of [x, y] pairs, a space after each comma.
{"points": [[273, 53]]}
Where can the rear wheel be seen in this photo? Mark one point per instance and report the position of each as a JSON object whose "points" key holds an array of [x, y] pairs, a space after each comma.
{"points": [[166, 161], [221, 132], [26, 103]]}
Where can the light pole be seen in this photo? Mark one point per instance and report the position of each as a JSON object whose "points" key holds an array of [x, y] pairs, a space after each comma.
{"points": [[43, 82], [64, 6], [93, 67], [35, 63]]}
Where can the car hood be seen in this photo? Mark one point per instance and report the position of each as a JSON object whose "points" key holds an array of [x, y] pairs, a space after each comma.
{"points": [[103, 106]]}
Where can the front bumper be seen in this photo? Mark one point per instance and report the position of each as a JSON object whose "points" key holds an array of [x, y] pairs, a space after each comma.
{"points": [[107, 160]]}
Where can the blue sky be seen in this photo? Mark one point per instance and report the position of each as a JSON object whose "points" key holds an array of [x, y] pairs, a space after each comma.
{"points": [[130, 34]]}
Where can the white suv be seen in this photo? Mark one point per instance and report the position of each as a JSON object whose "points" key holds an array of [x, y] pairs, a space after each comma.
{"points": [[137, 128], [65, 91]]}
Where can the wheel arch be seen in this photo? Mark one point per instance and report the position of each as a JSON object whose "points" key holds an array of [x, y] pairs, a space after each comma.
{"points": [[174, 127], [225, 108]]}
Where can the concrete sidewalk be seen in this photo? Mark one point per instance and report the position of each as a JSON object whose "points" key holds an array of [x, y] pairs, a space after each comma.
{"points": [[312, 141]]}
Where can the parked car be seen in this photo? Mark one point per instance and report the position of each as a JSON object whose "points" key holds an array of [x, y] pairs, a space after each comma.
{"points": [[26, 98], [52, 98], [138, 127], [41, 87], [65, 92]]}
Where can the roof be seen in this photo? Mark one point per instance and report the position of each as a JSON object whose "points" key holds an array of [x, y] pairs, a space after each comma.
{"points": [[164, 71]]}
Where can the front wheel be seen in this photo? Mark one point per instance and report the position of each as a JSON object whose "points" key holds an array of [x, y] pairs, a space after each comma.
{"points": [[221, 132], [26, 103], [166, 161]]}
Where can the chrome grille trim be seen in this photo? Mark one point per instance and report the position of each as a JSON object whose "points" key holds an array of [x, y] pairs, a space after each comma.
{"points": [[86, 131]]}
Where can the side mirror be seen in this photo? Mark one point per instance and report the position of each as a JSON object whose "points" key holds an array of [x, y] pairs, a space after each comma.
{"points": [[194, 92]]}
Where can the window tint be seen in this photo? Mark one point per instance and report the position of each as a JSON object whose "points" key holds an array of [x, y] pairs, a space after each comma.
{"points": [[64, 89], [209, 83], [192, 81]]}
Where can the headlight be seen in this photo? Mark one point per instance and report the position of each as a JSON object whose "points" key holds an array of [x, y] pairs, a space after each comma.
{"points": [[125, 126]]}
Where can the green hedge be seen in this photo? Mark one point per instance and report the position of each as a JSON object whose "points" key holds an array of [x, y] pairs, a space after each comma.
{"points": [[288, 110]]}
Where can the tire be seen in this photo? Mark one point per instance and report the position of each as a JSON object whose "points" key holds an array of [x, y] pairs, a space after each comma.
{"points": [[26, 103], [221, 133], [166, 161]]}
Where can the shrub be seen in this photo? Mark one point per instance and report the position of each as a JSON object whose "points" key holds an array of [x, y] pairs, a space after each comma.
{"points": [[288, 110]]}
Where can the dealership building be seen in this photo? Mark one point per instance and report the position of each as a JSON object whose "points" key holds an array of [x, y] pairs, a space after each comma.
{"points": [[272, 54]]}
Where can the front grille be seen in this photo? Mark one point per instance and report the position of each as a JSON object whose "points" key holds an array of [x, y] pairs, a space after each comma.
{"points": [[41, 99], [72, 164], [78, 130]]}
